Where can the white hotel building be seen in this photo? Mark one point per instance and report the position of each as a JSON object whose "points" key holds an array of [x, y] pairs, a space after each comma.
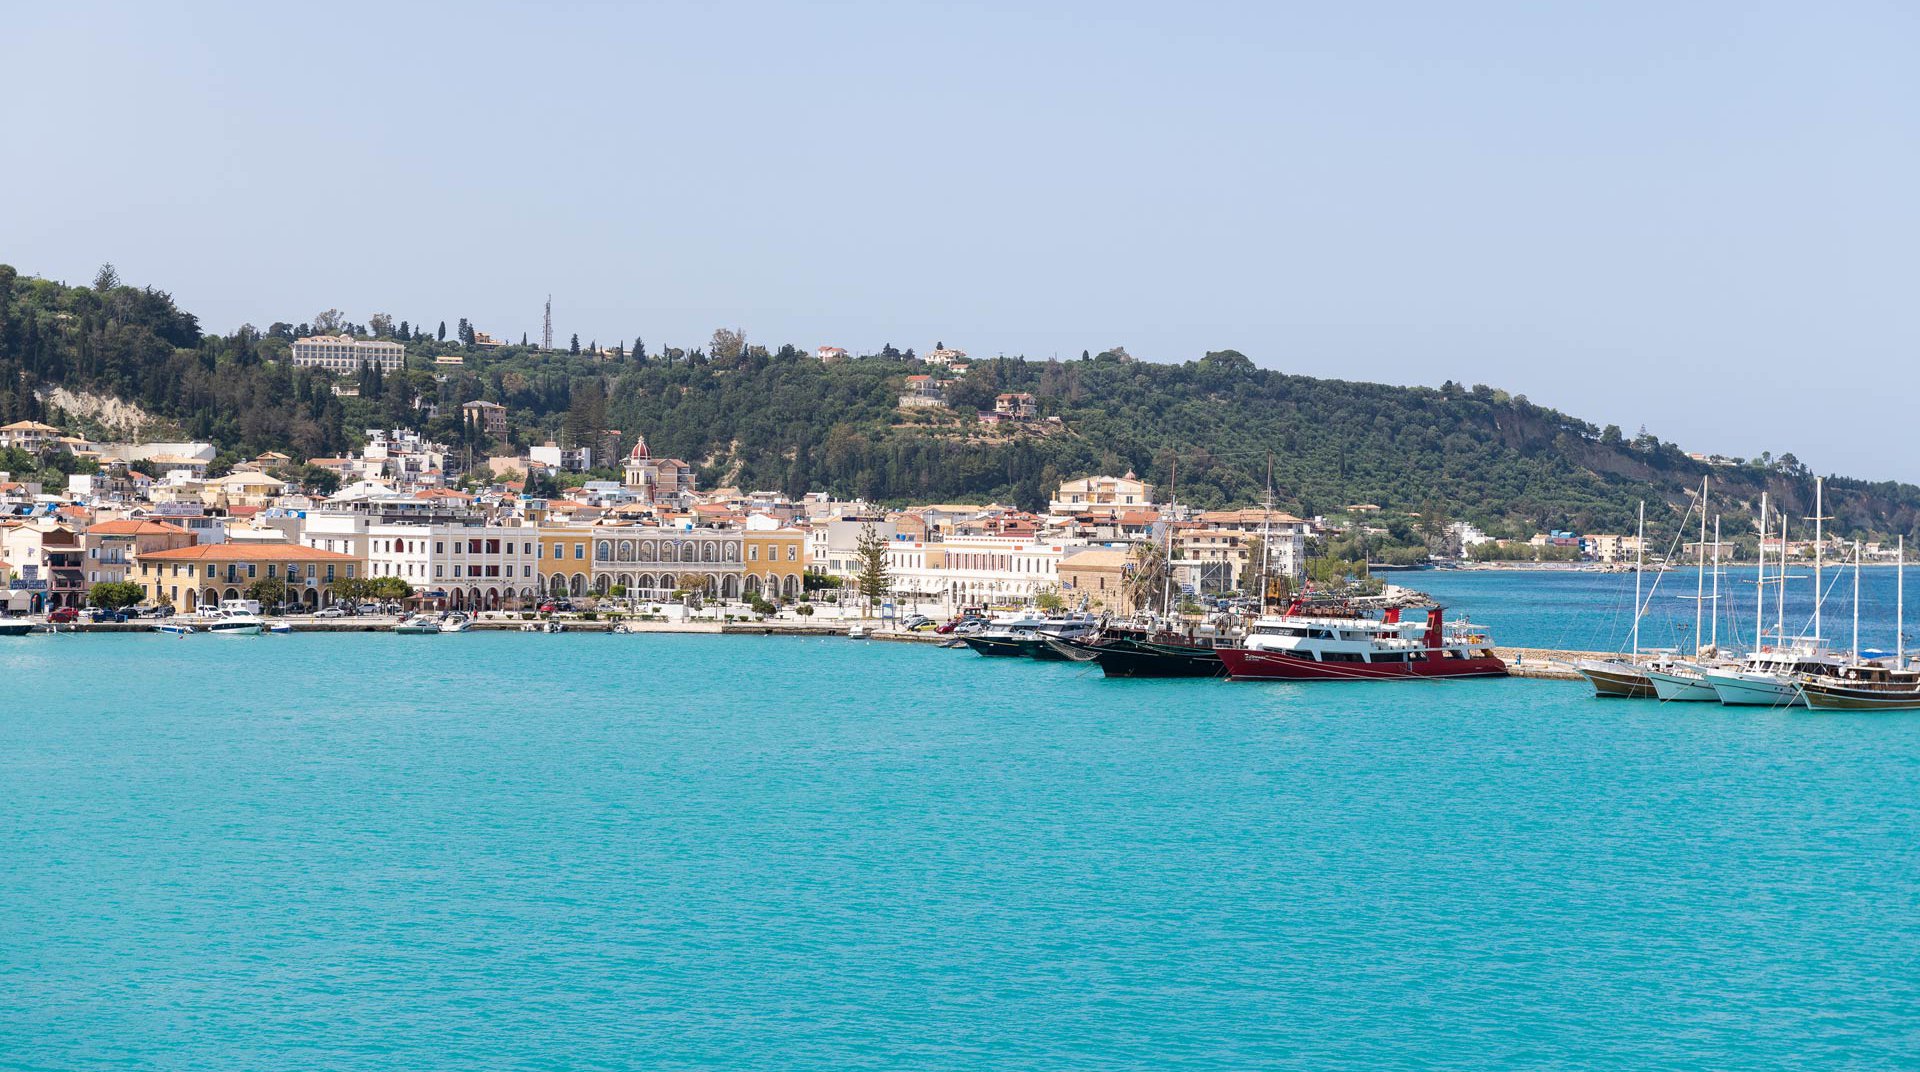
{"points": [[974, 570], [474, 566], [344, 353]]}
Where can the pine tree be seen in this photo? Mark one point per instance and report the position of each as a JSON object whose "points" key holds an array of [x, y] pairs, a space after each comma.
{"points": [[871, 552], [639, 349]]}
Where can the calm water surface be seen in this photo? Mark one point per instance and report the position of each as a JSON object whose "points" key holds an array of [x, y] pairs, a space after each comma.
{"points": [[589, 852]]}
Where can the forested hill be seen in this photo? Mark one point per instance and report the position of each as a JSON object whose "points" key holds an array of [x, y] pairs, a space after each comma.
{"points": [[763, 419]]}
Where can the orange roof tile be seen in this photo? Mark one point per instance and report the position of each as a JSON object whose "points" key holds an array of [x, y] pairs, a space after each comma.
{"points": [[271, 552]]}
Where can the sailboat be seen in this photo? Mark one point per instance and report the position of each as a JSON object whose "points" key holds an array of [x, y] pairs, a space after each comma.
{"points": [[1624, 679], [1673, 679], [1867, 684], [1771, 676]]}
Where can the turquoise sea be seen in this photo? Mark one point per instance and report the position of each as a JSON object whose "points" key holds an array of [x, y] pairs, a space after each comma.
{"points": [[508, 851]]}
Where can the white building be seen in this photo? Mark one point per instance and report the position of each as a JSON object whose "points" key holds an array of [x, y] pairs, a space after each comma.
{"points": [[468, 565], [566, 459], [344, 353], [832, 543], [1100, 493], [976, 570]]}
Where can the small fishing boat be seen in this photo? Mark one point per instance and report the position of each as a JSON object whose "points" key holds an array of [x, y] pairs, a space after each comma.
{"points": [[417, 625], [280, 629], [856, 632], [174, 628]]}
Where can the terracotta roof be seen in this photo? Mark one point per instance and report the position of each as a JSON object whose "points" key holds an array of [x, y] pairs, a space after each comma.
{"points": [[221, 552], [136, 527]]}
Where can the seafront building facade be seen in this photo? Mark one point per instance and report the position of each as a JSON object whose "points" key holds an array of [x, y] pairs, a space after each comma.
{"points": [[112, 546], [186, 578], [976, 570], [489, 545]]}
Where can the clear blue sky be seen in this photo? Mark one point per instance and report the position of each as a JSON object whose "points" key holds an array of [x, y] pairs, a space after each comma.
{"points": [[1700, 217]]}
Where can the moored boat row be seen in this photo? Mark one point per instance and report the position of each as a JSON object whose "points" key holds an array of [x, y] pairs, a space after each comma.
{"points": [[1306, 642]]}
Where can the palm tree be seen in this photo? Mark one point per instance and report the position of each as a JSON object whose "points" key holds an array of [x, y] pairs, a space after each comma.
{"points": [[1146, 577]]}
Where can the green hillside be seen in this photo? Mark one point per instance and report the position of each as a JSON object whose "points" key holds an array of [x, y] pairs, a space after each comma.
{"points": [[782, 419]]}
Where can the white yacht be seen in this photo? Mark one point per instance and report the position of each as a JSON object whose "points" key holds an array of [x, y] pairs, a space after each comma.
{"points": [[455, 623], [1771, 678], [233, 617]]}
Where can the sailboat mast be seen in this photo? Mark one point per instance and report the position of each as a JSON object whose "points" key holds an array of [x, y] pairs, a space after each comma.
{"points": [[1715, 643], [1819, 534], [1780, 592], [1700, 570], [1639, 556], [1856, 601], [1266, 540], [1166, 558], [1760, 581], [1900, 607]]}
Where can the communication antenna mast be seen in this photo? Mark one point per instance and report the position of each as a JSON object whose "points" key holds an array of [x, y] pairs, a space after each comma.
{"points": [[546, 326]]}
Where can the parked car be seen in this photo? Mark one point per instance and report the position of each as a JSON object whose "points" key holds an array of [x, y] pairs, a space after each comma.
{"points": [[106, 614], [553, 605], [335, 611], [62, 615]]}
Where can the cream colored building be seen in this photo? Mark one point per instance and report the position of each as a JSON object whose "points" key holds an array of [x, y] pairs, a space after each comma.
{"points": [[1101, 493], [345, 354]]}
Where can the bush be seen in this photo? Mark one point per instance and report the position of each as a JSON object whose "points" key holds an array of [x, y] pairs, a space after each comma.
{"points": [[805, 610]]}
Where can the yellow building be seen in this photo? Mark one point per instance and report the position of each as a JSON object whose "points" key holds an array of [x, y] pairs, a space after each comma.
{"points": [[566, 560], [203, 575], [776, 560]]}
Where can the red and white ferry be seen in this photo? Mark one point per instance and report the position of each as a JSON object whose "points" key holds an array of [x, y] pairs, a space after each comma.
{"points": [[1291, 647]]}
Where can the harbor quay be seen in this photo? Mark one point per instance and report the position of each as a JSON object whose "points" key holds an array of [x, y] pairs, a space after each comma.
{"points": [[1545, 664]]}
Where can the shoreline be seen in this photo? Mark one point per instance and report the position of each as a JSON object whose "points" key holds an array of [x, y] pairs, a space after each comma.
{"points": [[1534, 664]]}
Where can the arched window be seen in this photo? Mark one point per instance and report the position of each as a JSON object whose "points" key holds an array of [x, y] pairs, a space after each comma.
{"points": [[646, 550], [733, 552], [706, 551], [603, 551], [626, 551], [687, 551]]}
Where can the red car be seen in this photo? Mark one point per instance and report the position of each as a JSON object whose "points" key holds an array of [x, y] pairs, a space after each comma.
{"points": [[62, 615]]}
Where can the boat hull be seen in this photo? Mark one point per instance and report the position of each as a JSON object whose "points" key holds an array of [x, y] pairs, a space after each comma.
{"points": [[1681, 688], [1129, 659], [1617, 680], [223, 629], [1824, 697], [1245, 664], [15, 628], [1755, 690], [1003, 647]]}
